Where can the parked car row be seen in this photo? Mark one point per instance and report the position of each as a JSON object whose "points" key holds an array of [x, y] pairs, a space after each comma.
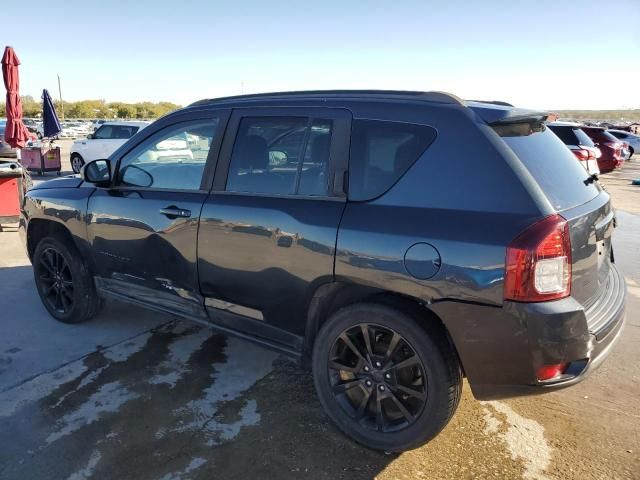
{"points": [[598, 149], [103, 142]]}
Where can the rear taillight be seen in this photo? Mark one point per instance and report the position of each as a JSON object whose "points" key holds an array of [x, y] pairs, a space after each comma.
{"points": [[583, 154], [538, 262]]}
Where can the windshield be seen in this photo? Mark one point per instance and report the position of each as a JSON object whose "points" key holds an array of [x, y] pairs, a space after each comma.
{"points": [[554, 167]]}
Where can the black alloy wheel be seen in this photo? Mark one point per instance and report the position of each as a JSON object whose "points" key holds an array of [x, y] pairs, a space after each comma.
{"points": [[377, 378], [56, 281], [64, 281]]}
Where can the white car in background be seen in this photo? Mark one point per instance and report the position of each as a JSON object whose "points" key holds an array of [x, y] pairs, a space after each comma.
{"points": [[630, 138], [106, 139]]}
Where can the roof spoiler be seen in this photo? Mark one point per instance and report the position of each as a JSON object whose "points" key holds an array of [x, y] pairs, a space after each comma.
{"points": [[500, 113]]}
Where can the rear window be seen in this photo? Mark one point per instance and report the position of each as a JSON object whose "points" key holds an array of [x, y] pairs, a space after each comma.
{"points": [[572, 135], [553, 166], [381, 152], [618, 134]]}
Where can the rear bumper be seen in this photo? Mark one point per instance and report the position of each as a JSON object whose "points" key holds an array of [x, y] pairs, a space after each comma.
{"points": [[501, 349]]}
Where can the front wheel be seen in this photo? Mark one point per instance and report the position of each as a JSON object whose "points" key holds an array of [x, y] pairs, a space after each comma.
{"points": [[76, 163], [385, 380], [64, 282]]}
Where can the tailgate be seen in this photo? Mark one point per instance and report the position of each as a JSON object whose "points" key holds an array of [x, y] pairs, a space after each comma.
{"points": [[591, 226]]}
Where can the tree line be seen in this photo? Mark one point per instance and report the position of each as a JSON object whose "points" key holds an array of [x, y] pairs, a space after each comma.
{"points": [[32, 108]]}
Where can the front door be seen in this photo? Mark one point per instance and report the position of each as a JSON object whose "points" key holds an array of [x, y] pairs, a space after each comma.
{"points": [[143, 230], [268, 229]]}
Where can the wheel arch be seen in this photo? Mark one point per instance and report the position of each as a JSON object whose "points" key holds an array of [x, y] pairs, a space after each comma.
{"points": [[40, 228], [330, 297]]}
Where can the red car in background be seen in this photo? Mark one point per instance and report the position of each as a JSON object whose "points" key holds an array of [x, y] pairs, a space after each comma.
{"points": [[579, 143], [611, 148]]}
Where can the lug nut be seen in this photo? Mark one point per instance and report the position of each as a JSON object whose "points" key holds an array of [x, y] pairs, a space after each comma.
{"points": [[368, 383], [378, 364], [387, 376], [381, 388], [366, 368]]}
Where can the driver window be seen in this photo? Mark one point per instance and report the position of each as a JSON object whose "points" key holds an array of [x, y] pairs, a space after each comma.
{"points": [[173, 158]]}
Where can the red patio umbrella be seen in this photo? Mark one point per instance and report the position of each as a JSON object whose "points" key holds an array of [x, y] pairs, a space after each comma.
{"points": [[16, 134]]}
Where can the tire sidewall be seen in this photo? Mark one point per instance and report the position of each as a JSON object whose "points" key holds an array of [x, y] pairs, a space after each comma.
{"points": [[435, 412]]}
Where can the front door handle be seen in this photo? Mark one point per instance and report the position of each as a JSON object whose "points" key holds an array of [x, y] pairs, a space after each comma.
{"points": [[175, 212]]}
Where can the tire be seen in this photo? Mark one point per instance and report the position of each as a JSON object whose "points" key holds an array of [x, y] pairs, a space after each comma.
{"points": [[631, 151], [434, 378], [76, 163], [64, 282]]}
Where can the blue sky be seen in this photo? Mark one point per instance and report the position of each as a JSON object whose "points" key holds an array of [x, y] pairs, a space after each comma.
{"points": [[542, 54]]}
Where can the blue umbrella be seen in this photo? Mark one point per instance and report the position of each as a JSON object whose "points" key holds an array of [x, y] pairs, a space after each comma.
{"points": [[51, 124]]}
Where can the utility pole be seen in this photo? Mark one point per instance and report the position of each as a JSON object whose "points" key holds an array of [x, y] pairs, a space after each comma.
{"points": [[61, 104]]}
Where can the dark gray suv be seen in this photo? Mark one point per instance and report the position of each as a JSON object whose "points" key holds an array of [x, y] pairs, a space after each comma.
{"points": [[396, 242]]}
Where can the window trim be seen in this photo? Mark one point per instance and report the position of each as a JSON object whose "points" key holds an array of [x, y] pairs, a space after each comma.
{"points": [[339, 150], [170, 123]]}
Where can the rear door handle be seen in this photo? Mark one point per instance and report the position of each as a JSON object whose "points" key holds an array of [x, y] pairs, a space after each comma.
{"points": [[175, 212]]}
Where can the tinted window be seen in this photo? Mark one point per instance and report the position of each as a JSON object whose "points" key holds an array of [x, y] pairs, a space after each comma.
{"points": [[281, 155], [551, 163], [381, 152], [572, 135], [618, 134], [173, 158]]}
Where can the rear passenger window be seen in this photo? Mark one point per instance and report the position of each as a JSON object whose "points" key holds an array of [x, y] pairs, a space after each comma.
{"points": [[281, 155], [381, 152]]}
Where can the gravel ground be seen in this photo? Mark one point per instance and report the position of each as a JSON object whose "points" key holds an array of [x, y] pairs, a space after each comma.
{"points": [[134, 394]]}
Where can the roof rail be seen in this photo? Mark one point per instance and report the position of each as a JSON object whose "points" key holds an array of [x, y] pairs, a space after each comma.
{"points": [[493, 102], [435, 96]]}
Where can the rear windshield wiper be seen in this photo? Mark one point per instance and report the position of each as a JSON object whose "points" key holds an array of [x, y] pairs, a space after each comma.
{"points": [[591, 178]]}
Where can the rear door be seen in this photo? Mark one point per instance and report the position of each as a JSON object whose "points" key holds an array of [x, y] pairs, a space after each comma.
{"points": [[268, 229], [143, 229]]}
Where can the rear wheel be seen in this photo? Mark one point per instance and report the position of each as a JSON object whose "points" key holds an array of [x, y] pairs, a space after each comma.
{"points": [[383, 379], [76, 163], [64, 282]]}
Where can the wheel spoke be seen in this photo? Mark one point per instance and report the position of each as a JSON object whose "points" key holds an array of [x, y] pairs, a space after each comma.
{"points": [[362, 408], [50, 288], [393, 344], [403, 410], [345, 338], [64, 301], [345, 386], [56, 261], [407, 362], [379, 413], [367, 339], [45, 278], [58, 301], [411, 392], [336, 365], [47, 262]]}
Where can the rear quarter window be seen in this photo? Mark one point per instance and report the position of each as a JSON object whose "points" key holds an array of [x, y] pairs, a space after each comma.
{"points": [[381, 153], [556, 170]]}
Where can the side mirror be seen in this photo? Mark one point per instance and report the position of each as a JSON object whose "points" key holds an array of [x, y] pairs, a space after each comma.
{"points": [[98, 172], [90, 136]]}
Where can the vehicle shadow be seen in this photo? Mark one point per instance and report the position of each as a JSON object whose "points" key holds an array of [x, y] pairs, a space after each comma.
{"points": [[176, 399]]}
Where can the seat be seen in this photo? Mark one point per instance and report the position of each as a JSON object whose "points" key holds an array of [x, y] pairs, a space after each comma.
{"points": [[250, 168], [313, 181]]}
